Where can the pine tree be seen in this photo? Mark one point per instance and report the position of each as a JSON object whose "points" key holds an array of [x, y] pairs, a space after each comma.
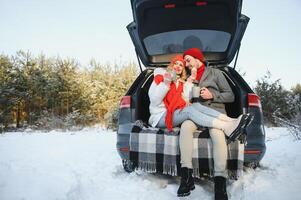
{"points": [[39, 91], [297, 103], [275, 100]]}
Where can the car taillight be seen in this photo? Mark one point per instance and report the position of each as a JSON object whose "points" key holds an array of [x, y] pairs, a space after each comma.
{"points": [[125, 102], [254, 100], [198, 3], [169, 5], [252, 151], [124, 149], [201, 3]]}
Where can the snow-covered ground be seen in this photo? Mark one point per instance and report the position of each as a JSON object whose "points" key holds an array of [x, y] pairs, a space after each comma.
{"points": [[84, 165]]}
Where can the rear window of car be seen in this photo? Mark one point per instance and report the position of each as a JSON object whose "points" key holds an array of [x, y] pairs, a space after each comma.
{"points": [[179, 41]]}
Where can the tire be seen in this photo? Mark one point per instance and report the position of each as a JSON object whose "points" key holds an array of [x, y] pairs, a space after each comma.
{"points": [[252, 165], [128, 166]]}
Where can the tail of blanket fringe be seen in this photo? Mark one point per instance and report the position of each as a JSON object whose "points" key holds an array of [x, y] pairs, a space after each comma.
{"points": [[235, 174], [147, 167], [196, 173], [151, 168], [172, 170], [232, 174]]}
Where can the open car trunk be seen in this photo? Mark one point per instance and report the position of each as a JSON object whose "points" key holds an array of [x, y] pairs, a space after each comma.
{"points": [[162, 28], [233, 109]]}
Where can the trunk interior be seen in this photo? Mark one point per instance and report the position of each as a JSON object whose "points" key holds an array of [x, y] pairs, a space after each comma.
{"points": [[233, 109]]}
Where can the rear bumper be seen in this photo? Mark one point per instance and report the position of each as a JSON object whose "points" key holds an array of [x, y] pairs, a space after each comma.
{"points": [[254, 154], [123, 146], [255, 146], [123, 140]]}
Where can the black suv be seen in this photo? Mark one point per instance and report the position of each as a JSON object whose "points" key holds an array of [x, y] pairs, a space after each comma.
{"points": [[163, 28]]}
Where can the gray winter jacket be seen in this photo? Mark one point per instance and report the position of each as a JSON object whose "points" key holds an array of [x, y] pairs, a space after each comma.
{"points": [[215, 81]]}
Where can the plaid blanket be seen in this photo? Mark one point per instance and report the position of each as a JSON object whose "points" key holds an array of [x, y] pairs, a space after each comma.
{"points": [[156, 150]]}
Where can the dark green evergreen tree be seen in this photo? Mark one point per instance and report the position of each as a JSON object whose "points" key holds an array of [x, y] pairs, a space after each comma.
{"points": [[275, 100]]}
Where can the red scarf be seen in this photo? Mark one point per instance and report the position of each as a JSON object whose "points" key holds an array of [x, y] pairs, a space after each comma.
{"points": [[200, 72], [173, 101]]}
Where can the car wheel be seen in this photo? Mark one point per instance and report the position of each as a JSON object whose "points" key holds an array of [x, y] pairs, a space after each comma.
{"points": [[252, 165], [128, 166]]}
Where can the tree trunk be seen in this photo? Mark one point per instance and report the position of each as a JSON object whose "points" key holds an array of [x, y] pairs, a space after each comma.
{"points": [[18, 115], [27, 110]]}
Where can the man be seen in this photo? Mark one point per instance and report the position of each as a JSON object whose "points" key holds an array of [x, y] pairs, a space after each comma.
{"points": [[215, 91]]}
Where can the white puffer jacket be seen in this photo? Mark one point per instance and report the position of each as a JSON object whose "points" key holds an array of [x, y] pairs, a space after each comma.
{"points": [[156, 95]]}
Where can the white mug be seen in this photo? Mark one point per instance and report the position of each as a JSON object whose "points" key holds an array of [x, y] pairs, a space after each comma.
{"points": [[196, 91]]}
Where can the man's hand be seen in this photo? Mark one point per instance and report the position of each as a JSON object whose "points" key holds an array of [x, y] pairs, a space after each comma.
{"points": [[193, 73], [206, 94]]}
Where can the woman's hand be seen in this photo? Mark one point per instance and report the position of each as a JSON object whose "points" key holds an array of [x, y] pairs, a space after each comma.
{"points": [[167, 78]]}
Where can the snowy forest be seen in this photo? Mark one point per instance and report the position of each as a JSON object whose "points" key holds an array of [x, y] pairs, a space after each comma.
{"points": [[49, 93]]}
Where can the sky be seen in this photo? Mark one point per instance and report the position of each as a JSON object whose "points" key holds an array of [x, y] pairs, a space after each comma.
{"points": [[97, 29]]}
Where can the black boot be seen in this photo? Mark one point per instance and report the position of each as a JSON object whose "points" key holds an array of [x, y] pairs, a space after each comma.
{"points": [[187, 182], [220, 188]]}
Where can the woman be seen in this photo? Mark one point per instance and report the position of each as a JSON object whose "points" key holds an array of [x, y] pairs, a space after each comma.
{"points": [[169, 103]]}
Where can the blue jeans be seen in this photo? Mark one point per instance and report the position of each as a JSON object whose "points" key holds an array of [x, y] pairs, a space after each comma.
{"points": [[199, 114]]}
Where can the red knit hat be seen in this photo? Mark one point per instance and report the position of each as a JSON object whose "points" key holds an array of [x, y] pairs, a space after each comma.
{"points": [[196, 53], [177, 58]]}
